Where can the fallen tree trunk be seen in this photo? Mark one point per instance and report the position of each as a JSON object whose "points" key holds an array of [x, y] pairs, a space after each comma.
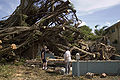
{"points": [[81, 50], [30, 12], [45, 22], [95, 55]]}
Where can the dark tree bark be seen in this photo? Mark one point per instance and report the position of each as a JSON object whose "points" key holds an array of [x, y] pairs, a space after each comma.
{"points": [[42, 22]]}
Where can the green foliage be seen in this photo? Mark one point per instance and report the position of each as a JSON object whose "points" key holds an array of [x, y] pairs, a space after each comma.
{"points": [[3, 60], [20, 62], [22, 20], [96, 26], [74, 44], [5, 71], [68, 35], [86, 28], [100, 32], [86, 33]]}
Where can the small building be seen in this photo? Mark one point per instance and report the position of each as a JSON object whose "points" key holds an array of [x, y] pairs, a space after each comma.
{"points": [[113, 33]]}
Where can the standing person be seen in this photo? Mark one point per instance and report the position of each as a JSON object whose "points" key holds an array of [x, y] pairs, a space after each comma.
{"points": [[67, 59], [43, 53]]}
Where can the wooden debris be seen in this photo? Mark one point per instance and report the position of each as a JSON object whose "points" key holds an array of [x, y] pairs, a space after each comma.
{"points": [[103, 75], [1, 47], [89, 75], [81, 50], [13, 46], [37, 22], [0, 41], [42, 22], [60, 71]]}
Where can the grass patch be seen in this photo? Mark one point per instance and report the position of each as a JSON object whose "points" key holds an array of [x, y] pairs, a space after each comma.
{"points": [[6, 71]]}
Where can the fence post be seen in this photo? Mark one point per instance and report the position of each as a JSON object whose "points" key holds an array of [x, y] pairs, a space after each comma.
{"points": [[78, 67]]}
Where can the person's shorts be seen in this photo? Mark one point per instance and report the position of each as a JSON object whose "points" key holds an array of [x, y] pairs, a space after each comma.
{"points": [[44, 60]]}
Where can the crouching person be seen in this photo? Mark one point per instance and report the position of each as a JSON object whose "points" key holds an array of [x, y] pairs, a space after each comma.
{"points": [[67, 59]]}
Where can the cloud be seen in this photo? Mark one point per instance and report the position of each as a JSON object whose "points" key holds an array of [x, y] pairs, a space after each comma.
{"points": [[108, 24], [111, 23], [90, 6], [82, 24]]}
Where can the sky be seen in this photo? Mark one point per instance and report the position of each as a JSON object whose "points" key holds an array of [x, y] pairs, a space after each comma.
{"points": [[91, 12]]}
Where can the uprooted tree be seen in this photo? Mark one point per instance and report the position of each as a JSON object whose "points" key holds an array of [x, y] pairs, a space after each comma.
{"points": [[35, 23]]}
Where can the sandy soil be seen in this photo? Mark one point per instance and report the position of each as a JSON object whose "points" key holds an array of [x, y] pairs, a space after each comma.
{"points": [[20, 72]]}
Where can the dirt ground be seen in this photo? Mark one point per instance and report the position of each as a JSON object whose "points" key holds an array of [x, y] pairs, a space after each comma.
{"points": [[20, 72]]}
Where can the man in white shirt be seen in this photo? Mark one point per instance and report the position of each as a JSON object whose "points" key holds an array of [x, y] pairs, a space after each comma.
{"points": [[67, 59]]}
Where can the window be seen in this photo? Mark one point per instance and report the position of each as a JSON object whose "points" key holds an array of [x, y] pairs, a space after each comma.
{"points": [[113, 30]]}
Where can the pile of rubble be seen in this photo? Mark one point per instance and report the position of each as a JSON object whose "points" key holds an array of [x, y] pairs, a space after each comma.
{"points": [[54, 23]]}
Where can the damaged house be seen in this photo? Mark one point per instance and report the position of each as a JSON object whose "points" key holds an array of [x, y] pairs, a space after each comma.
{"points": [[113, 33]]}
